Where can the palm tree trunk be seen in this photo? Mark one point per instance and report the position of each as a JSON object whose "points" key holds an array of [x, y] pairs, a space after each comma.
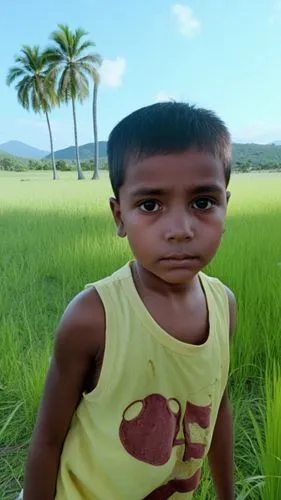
{"points": [[96, 174], [79, 169], [55, 176]]}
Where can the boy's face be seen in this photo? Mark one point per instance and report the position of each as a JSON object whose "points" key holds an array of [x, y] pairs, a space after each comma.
{"points": [[172, 209]]}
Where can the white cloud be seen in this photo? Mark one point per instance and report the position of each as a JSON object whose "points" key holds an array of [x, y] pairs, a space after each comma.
{"points": [[188, 24], [276, 15], [164, 95], [112, 71]]}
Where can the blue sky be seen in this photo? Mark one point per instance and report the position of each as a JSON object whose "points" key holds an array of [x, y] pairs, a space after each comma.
{"points": [[225, 56]]}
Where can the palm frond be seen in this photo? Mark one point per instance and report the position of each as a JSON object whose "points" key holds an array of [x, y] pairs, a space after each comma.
{"points": [[64, 85], [54, 55], [69, 65], [52, 75], [89, 70], [49, 89], [79, 33], [21, 59], [31, 51], [30, 75], [37, 102], [81, 85], [24, 89], [30, 58], [73, 84], [47, 97], [14, 73], [70, 41], [61, 38], [79, 49], [93, 58]]}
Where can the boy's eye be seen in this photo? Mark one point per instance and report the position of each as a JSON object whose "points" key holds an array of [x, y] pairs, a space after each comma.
{"points": [[203, 204], [150, 206]]}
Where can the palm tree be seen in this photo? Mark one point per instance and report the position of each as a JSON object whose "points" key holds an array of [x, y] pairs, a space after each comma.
{"points": [[96, 174], [33, 88], [69, 66]]}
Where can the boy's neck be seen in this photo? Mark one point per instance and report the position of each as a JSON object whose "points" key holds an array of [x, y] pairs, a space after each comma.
{"points": [[150, 282]]}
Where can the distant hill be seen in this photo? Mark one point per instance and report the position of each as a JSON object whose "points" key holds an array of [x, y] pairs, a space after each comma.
{"points": [[258, 154], [3, 154], [86, 152], [18, 148]]}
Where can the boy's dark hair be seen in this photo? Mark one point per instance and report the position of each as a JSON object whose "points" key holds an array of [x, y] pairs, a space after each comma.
{"points": [[165, 128]]}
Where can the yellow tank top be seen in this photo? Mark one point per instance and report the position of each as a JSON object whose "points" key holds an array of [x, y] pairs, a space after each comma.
{"points": [[144, 431]]}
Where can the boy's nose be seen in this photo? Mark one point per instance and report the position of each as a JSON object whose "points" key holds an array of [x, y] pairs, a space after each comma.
{"points": [[180, 228]]}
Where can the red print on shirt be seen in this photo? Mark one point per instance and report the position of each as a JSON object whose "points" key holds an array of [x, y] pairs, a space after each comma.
{"points": [[152, 434]]}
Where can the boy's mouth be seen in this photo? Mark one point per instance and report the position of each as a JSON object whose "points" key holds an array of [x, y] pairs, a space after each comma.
{"points": [[179, 257]]}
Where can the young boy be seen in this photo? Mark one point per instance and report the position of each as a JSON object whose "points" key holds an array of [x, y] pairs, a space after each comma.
{"points": [[136, 396]]}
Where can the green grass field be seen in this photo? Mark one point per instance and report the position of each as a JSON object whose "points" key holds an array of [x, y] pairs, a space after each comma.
{"points": [[56, 237]]}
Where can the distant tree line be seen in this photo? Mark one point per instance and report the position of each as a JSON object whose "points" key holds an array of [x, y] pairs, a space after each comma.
{"points": [[249, 166], [10, 164], [14, 164], [61, 73]]}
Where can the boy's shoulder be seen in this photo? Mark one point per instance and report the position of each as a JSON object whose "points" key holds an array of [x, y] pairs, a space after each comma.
{"points": [[219, 285], [83, 322], [115, 278], [232, 310]]}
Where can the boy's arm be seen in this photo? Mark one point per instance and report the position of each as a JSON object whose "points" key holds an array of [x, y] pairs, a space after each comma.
{"points": [[221, 451], [79, 340]]}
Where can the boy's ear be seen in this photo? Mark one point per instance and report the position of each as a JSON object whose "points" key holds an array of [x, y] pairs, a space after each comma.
{"points": [[228, 195], [116, 212]]}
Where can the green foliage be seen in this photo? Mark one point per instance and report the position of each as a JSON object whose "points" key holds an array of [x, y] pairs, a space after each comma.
{"points": [[257, 154], [267, 429], [65, 166], [247, 166], [69, 67], [6, 163], [88, 165], [242, 166], [69, 64], [35, 165], [44, 165], [13, 164], [34, 85], [29, 74], [272, 449]]}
